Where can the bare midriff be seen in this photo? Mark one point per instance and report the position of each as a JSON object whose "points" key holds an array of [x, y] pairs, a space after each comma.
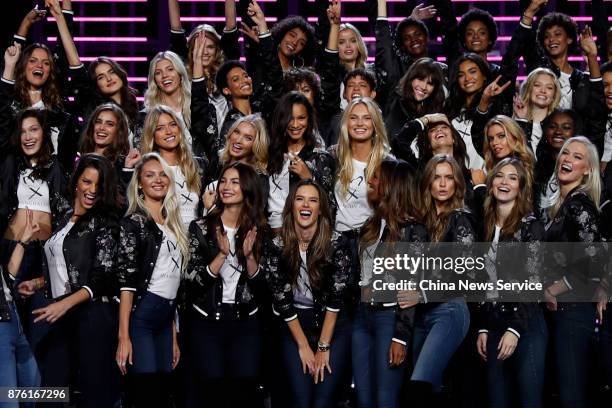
{"points": [[17, 225]]}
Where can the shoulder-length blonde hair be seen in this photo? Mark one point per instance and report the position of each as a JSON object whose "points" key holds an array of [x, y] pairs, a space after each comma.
{"points": [[154, 96], [170, 206], [517, 141], [527, 88], [259, 154], [522, 204], [590, 184], [362, 56], [380, 144], [436, 223], [186, 162]]}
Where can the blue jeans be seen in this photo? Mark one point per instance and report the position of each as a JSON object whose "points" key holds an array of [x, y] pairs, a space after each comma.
{"points": [[151, 335], [438, 333], [377, 384], [18, 367], [306, 393], [574, 335], [521, 376]]}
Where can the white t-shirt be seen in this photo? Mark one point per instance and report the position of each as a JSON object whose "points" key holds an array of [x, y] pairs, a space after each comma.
{"points": [[279, 190], [166, 275], [353, 207], [302, 292], [58, 271], [536, 135], [607, 155], [464, 127], [33, 193], [5, 288], [231, 269], [490, 263], [566, 91], [188, 200]]}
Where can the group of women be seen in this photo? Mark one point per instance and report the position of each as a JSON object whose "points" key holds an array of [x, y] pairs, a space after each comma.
{"points": [[216, 247]]}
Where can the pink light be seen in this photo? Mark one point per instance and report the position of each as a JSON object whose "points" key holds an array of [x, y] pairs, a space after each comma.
{"points": [[109, 1], [106, 19], [140, 98], [217, 19], [137, 79], [103, 39], [117, 59]]}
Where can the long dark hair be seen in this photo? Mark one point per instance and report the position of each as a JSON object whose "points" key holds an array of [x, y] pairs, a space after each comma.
{"points": [[280, 121], [522, 205], [459, 149], [109, 201], [457, 101], [45, 154], [51, 95], [318, 248], [251, 214], [129, 104], [398, 203], [423, 69], [120, 145]]}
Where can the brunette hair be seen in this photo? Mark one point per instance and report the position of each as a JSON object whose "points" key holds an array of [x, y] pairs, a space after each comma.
{"points": [[318, 248], [129, 104], [51, 95], [423, 69], [120, 145]]}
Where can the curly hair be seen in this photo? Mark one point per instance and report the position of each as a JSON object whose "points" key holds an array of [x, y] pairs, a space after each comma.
{"points": [[296, 76], [51, 95], [129, 104], [287, 24], [562, 20], [485, 18]]}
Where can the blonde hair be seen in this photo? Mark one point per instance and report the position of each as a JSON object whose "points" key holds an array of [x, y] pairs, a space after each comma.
{"points": [[170, 206], [517, 141], [380, 144], [154, 96], [590, 184], [527, 88], [259, 154], [362, 58], [186, 162]]}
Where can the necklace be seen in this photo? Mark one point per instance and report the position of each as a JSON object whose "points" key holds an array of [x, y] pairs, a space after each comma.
{"points": [[304, 245]]}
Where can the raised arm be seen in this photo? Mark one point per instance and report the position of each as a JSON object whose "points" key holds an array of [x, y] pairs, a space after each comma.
{"points": [[70, 49], [178, 41], [230, 15], [32, 17]]}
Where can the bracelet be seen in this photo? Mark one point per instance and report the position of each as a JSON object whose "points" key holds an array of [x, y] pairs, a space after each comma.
{"points": [[323, 347], [23, 244]]}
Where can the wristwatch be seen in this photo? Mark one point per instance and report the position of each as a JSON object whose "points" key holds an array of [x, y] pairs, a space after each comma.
{"points": [[322, 347]]}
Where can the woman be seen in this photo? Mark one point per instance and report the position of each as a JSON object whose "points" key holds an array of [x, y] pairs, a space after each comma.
{"points": [[224, 289], [105, 81], [539, 96], [362, 146], [32, 179], [574, 219], [246, 142], [164, 133], [309, 288], [107, 133], [79, 272], [153, 252], [382, 331], [18, 366], [512, 332], [419, 92], [441, 327], [294, 154], [505, 138], [468, 79], [29, 80], [168, 84]]}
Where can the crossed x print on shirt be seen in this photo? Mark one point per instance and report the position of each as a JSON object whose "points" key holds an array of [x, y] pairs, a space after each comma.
{"points": [[353, 190]]}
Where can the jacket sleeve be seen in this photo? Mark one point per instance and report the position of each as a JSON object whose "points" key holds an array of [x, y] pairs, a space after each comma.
{"points": [[203, 119], [451, 43], [401, 143], [229, 44], [127, 258], [386, 62], [7, 116], [279, 286], [329, 70], [342, 273], [269, 90], [199, 277], [178, 44], [102, 279]]}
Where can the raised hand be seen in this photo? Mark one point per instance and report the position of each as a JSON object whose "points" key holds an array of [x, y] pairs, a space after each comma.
{"points": [[257, 15], [131, 159], [35, 15], [587, 43], [251, 32], [11, 55], [433, 118], [54, 7], [494, 89], [198, 52], [333, 12], [222, 241], [297, 166], [519, 107], [422, 12]]}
